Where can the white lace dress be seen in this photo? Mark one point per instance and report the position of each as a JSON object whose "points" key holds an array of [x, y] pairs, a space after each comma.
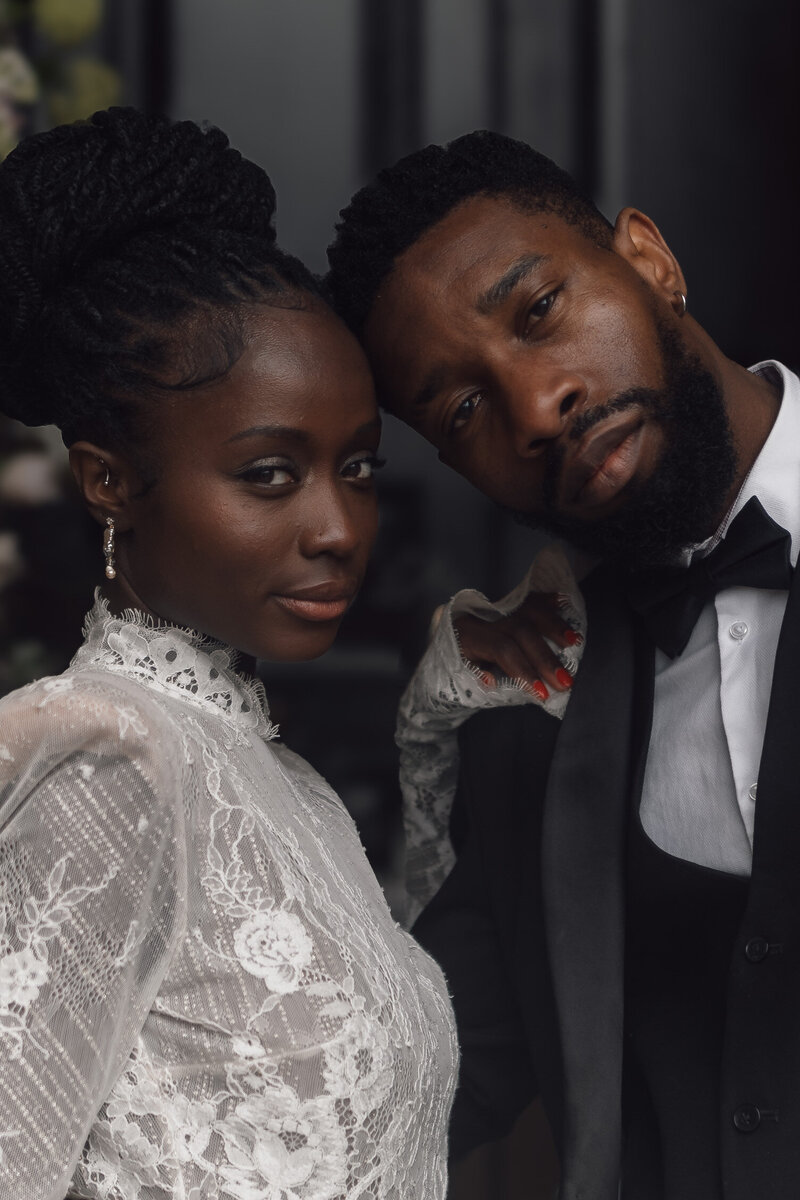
{"points": [[202, 992]]}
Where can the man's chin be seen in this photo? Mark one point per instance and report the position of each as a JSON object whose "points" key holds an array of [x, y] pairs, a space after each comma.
{"points": [[629, 536]]}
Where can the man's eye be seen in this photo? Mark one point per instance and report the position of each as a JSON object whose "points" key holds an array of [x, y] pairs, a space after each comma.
{"points": [[542, 306], [363, 467], [465, 411]]}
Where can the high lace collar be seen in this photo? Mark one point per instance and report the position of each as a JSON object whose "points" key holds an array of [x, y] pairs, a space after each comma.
{"points": [[176, 661]]}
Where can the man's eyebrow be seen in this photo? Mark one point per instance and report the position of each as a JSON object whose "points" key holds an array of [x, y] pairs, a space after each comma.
{"points": [[494, 296], [275, 431], [433, 384]]}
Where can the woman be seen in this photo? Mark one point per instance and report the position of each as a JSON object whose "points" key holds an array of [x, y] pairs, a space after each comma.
{"points": [[202, 992]]}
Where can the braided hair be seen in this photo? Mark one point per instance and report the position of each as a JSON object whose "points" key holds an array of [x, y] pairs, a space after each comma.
{"points": [[130, 246], [387, 216]]}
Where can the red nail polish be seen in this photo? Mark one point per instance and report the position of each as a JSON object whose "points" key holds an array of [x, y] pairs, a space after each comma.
{"points": [[564, 677], [572, 637], [539, 690]]}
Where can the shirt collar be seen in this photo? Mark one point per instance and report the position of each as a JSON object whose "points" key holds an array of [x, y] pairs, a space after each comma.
{"points": [[775, 475]]}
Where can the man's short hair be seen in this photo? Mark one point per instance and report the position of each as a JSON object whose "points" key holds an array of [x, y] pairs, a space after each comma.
{"points": [[386, 217]]}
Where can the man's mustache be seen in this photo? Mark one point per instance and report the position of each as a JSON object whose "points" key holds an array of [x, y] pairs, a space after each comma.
{"points": [[636, 397]]}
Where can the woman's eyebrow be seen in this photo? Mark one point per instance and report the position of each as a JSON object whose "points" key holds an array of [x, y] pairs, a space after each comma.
{"points": [[275, 431], [494, 296], [297, 435]]}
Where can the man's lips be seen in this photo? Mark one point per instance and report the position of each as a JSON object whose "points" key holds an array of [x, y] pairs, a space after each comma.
{"points": [[605, 460], [326, 601]]}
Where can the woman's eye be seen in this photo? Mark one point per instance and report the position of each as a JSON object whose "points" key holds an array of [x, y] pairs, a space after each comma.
{"points": [[363, 467], [269, 474], [465, 411]]}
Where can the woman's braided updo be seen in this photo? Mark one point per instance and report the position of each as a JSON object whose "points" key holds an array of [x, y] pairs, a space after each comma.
{"points": [[129, 245]]}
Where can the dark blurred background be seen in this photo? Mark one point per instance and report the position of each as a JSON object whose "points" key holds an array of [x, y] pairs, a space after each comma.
{"points": [[686, 110]]}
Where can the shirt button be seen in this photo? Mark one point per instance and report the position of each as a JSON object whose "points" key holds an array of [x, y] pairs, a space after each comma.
{"points": [[756, 949], [747, 1118], [739, 631]]}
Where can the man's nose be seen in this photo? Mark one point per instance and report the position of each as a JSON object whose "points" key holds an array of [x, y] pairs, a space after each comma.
{"points": [[539, 404]]}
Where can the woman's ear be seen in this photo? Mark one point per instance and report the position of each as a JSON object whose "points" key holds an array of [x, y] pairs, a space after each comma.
{"points": [[105, 480], [638, 240]]}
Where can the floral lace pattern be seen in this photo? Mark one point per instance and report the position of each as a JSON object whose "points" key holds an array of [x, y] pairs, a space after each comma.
{"points": [[202, 991], [443, 693]]}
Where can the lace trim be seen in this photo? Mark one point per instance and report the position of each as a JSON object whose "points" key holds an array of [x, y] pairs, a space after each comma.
{"points": [[173, 658]]}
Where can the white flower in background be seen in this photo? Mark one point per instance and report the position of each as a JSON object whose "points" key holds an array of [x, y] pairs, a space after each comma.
{"points": [[89, 85], [280, 1148], [358, 1065], [18, 80], [9, 127], [11, 562], [22, 974], [274, 946], [66, 22], [30, 477]]}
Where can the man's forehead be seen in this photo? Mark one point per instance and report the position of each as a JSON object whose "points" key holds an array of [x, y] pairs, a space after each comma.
{"points": [[478, 241]]}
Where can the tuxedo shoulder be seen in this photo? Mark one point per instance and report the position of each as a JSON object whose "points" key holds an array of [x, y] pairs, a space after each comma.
{"points": [[505, 763]]}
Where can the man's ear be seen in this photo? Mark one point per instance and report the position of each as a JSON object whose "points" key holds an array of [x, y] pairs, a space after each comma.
{"points": [[638, 240], [105, 480]]}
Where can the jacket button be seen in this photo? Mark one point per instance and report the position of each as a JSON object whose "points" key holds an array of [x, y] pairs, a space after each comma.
{"points": [[757, 949], [747, 1118]]}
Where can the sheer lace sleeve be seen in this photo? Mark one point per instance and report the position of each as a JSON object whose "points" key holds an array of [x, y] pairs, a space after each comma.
{"points": [[91, 866], [443, 693]]}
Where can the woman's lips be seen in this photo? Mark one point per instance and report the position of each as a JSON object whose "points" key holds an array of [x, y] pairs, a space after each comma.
{"points": [[605, 462], [322, 602]]}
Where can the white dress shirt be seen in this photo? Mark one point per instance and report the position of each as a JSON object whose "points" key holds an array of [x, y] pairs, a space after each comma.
{"points": [[710, 703]]}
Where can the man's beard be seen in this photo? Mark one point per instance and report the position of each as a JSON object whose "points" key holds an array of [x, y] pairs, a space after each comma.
{"points": [[683, 499]]}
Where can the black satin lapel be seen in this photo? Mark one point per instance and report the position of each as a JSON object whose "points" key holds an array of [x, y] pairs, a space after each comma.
{"points": [[582, 867], [776, 847], [642, 717]]}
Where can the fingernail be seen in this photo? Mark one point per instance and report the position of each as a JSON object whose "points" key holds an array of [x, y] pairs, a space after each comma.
{"points": [[539, 690], [573, 638], [564, 678]]}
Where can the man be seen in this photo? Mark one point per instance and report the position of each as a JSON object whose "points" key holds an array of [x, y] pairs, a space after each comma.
{"points": [[621, 930]]}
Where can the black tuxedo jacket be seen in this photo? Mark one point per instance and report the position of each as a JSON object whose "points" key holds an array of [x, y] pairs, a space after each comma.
{"points": [[529, 926]]}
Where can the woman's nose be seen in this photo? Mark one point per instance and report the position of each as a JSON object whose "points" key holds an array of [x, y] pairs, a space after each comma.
{"points": [[338, 522]]}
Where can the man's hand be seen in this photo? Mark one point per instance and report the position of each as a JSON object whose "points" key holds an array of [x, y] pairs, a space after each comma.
{"points": [[514, 647]]}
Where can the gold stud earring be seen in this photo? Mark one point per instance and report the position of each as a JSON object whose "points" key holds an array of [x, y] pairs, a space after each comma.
{"points": [[108, 548]]}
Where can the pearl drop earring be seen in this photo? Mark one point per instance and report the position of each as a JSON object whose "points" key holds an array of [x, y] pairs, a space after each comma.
{"points": [[108, 548]]}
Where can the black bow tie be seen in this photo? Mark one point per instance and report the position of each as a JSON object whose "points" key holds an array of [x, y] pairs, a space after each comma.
{"points": [[753, 553]]}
